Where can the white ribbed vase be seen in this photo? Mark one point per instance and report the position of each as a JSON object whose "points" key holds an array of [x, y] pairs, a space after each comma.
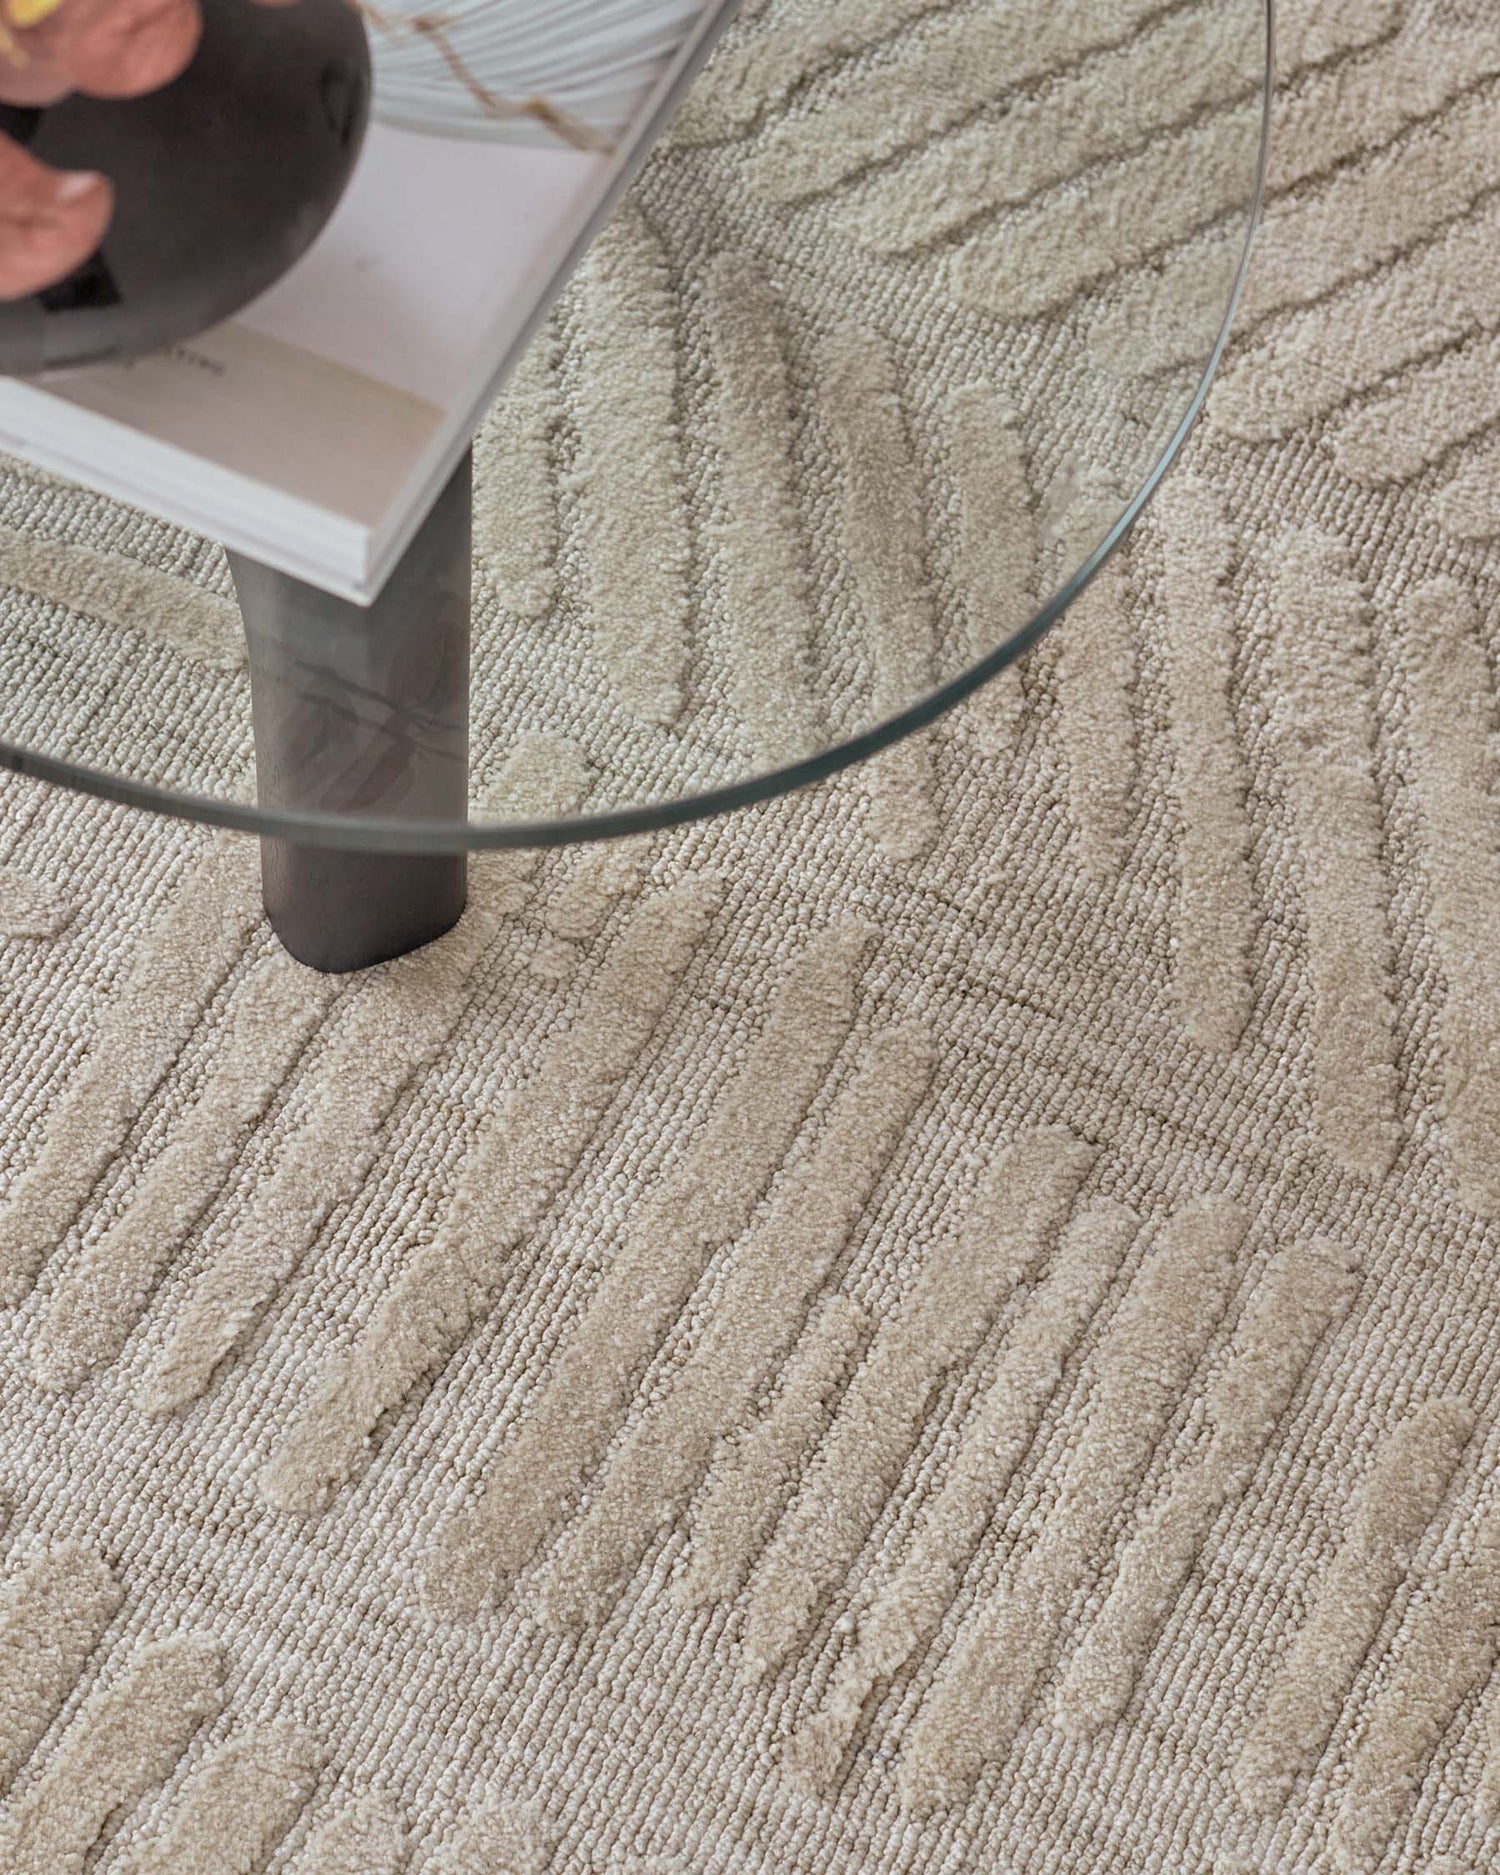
{"points": [[531, 71]]}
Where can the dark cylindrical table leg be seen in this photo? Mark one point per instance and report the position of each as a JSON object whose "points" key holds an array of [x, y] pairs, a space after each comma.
{"points": [[364, 711]]}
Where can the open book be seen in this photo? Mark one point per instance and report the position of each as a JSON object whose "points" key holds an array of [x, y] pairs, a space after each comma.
{"points": [[314, 429]]}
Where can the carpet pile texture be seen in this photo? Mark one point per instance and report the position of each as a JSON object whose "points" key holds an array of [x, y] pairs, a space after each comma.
{"points": [[948, 1323]]}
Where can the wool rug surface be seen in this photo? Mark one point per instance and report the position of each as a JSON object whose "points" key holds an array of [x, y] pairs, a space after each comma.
{"points": [[951, 1322]]}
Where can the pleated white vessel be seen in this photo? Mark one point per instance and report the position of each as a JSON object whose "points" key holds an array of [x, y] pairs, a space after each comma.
{"points": [[528, 71]]}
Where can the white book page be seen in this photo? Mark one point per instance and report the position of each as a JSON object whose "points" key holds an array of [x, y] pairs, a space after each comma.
{"points": [[439, 246], [269, 412], [334, 385]]}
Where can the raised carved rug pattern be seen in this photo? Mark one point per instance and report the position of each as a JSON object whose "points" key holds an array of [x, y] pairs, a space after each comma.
{"points": [[949, 1323]]}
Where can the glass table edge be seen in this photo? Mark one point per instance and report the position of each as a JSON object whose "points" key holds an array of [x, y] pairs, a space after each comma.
{"points": [[398, 836]]}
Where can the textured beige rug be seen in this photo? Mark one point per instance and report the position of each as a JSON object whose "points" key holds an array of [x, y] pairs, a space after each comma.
{"points": [[761, 1353]]}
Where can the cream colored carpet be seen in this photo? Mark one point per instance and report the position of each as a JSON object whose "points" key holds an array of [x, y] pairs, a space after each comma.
{"points": [[763, 1354]]}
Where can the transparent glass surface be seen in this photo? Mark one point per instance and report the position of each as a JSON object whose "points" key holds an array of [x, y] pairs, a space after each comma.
{"points": [[886, 349]]}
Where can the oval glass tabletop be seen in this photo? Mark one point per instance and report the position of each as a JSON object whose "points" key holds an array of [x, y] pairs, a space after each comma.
{"points": [[866, 378]]}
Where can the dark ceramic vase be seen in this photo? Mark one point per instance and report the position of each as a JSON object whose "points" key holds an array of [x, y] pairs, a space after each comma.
{"points": [[223, 179]]}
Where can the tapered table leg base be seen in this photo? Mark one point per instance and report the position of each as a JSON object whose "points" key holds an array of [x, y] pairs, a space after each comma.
{"points": [[338, 911], [364, 711]]}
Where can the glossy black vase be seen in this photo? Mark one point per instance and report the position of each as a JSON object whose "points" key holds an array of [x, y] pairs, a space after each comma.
{"points": [[223, 179]]}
